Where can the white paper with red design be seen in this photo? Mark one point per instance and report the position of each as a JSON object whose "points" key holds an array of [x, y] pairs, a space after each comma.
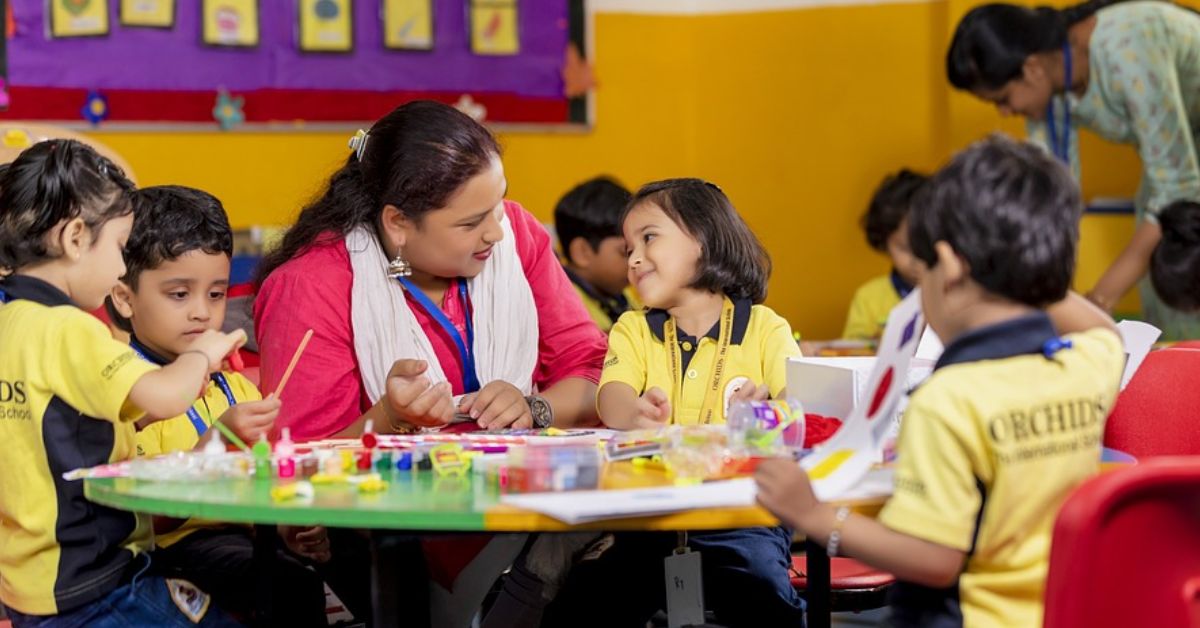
{"points": [[847, 457]]}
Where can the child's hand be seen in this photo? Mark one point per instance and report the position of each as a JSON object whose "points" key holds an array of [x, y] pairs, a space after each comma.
{"points": [[413, 398], [216, 346], [498, 405], [784, 489], [250, 420], [749, 392], [309, 542], [654, 406]]}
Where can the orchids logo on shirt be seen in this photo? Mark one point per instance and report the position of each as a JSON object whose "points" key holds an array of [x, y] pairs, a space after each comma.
{"points": [[12, 392], [1048, 429], [13, 401], [116, 364]]}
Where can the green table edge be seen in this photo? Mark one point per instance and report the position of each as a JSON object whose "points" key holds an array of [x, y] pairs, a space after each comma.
{"points": [[105, 491]]}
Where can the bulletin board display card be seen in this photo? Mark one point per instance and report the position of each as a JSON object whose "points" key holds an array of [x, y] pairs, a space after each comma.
{"points": [[297, 62]]}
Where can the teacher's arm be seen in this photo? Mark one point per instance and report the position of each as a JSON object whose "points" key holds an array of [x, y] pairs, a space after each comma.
{"points": [[1129, 267], [324, 394], [1149, 87], [574, 402], [570, 346]]}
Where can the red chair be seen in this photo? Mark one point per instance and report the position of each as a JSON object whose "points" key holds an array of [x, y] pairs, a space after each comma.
{"points": [[1126, 549], [1158, 413], [853, 585]]}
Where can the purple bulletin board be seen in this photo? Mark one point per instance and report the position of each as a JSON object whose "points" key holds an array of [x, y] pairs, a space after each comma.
{"points": [[157, 75]]}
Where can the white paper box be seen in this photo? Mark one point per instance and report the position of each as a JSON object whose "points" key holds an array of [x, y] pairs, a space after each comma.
{"points": [[832, 386]]}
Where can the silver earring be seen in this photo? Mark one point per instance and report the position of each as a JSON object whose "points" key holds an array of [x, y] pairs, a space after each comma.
{"points": [[399, 267]]}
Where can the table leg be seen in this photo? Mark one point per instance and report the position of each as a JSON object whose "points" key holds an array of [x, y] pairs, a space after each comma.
{"points": [[266, 542], [818, 594], [399, 582]]}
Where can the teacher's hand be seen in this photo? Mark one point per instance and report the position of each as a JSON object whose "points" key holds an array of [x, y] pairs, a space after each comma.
{"points": [[497, 406], [1101, 301], [413, 398]]}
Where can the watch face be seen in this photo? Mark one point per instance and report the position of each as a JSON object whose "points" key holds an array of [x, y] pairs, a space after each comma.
{"points": [[540, 410]]}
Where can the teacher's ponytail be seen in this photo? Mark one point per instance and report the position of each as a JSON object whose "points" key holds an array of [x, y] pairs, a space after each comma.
{"points": [[993, 41], [414, 158]]}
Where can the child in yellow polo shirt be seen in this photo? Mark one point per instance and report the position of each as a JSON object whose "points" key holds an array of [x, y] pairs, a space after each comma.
{"points": [[705, 341], [886, 227], [69, 395], [177, 273], [588, 222], [1012, 419]]}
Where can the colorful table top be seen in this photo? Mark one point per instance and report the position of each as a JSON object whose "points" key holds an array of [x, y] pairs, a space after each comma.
{"points": [[419, 501]]}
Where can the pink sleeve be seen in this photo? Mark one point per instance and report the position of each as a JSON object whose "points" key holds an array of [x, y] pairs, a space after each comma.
{"points": [[569, 343], [324, 393]]}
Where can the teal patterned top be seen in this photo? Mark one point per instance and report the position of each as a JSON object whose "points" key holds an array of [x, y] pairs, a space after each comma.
{"points": [[1143, 89]]}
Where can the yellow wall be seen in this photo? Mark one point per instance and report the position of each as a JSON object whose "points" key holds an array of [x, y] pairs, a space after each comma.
{"points": [[799, 122], [796, 114]]}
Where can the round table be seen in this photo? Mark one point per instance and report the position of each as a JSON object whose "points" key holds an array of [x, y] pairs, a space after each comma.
{"points": [[421, 502]]}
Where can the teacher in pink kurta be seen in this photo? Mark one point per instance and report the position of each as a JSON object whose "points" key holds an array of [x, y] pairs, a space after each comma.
{"points": [[431, 298]]}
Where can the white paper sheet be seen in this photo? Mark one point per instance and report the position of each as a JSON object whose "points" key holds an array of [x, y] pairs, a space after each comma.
{"points": [[1139, 339], [581, 506]]}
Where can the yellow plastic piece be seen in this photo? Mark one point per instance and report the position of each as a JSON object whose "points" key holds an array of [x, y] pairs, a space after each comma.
{"points": [[326, 478], [448, 460], [290, 491], [372, 485]]}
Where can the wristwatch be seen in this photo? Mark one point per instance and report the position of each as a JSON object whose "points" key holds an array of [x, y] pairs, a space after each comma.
{"points": [[543, 414]]}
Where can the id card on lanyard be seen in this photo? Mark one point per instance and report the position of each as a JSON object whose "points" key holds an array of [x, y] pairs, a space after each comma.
{"points": [[192, 414], [712, 394], [1061, 145], [466, 347]]}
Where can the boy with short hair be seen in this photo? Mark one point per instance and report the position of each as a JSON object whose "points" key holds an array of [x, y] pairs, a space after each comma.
{"points": [[587, 220], [886, 226], [177, 273], [1012, 419]]}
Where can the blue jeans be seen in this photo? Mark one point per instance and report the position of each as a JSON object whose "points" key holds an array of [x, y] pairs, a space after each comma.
{"points": [[745, 573], [144, 601]]}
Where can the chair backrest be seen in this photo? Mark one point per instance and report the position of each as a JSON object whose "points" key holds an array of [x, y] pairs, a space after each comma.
{"points": [[1158, 413], [1126, 549]]}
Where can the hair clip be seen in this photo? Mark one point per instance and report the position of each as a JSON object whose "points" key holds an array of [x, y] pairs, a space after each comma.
{"points": [[358, 143], [714, 186], [1054, 345]]}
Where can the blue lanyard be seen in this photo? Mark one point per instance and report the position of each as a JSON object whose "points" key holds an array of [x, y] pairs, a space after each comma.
{"points": [[1061, 146], [192, 414], [466, 349], [899, 285]]}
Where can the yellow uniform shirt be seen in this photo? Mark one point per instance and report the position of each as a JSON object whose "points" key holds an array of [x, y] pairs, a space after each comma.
{"points": [[872, 303], [180, 434], [761, 343], [990, 446], [603, 310], [64, 386]]}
